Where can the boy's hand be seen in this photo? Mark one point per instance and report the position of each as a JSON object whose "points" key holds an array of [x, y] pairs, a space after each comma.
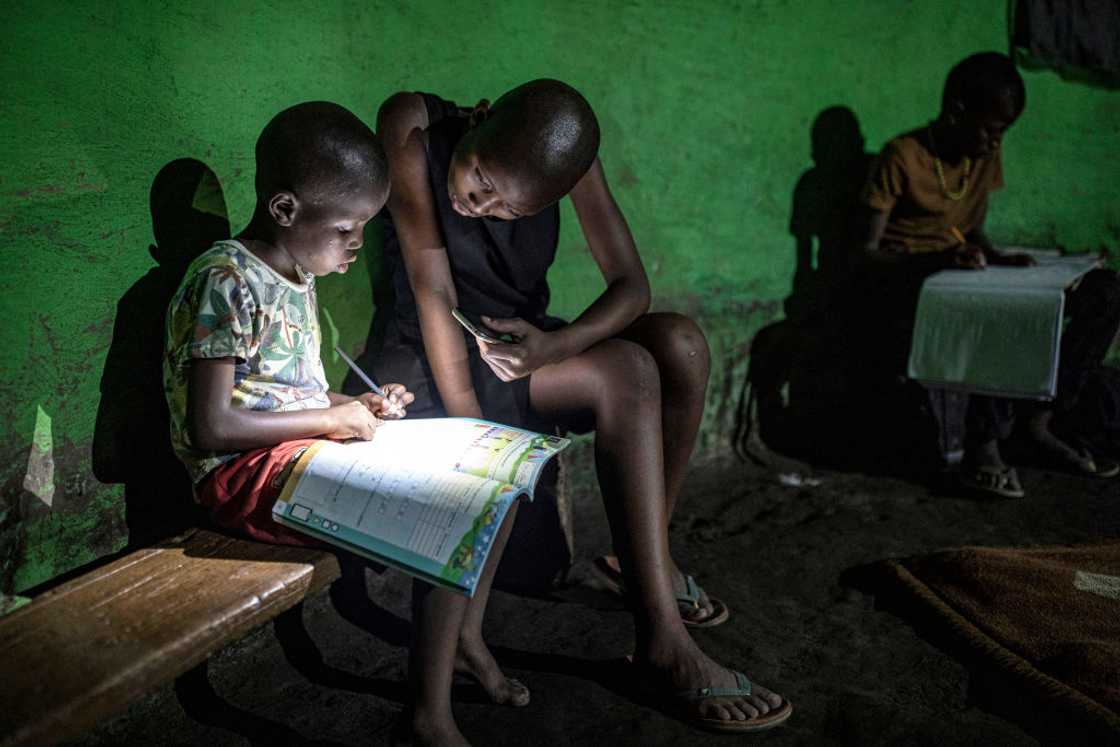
{"points": [[969, 257], [513, 360], [392, 406], [351, 420]]}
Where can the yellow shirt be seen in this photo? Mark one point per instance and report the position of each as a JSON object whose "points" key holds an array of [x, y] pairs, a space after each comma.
{"points": [[904, 184]]}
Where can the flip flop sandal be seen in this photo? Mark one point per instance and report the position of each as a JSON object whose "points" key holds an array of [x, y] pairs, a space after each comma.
{"points": [[1090, 466], [688, 602], [992, 480], [685, 700]]}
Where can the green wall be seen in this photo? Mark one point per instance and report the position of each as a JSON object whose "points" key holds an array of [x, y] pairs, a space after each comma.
{"points": [[705, 107]]}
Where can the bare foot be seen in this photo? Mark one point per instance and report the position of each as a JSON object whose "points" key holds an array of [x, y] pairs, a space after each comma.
{"points": [[1038, 428], [475, 660], [687, 668], [985, 455]]}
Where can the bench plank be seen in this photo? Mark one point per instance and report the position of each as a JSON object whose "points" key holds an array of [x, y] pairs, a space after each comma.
{"points": [[86, 649]]}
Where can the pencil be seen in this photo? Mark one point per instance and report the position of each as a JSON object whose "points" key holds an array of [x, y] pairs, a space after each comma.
{"points": [[361, 374], [958, 235], [394, 406]]}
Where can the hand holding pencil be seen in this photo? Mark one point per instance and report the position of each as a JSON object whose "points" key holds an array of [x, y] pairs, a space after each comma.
{"points": [[388, 402], [966, 255]]}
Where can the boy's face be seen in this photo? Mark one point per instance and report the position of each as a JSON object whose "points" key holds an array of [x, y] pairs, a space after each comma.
{"points": [[479, 188], [980, 131], [324, 236]]}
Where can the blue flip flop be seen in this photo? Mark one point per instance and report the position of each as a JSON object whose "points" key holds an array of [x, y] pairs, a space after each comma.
{"points": [[688, 602]]}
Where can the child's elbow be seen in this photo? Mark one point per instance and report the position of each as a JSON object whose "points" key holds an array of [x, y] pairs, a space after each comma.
{"points": [[644, 301], [205, 434], [640, 296], [203, 439]]}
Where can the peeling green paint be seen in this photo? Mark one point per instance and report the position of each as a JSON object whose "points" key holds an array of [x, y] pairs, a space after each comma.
{"points": [[706, 111], [11, 604], [39, 480]]}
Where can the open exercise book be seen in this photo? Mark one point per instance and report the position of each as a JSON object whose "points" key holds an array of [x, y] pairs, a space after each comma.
{"points": [[425, 496]]}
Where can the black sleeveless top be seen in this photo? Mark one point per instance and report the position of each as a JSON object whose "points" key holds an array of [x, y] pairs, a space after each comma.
{"points": [[499, 269]]}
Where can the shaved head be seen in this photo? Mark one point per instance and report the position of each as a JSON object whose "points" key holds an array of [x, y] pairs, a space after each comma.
{"points": [[318, 151], [983, 80], [545, 132]]}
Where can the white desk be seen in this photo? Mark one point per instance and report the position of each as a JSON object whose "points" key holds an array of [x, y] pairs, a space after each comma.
{"points": [[997, 330]]}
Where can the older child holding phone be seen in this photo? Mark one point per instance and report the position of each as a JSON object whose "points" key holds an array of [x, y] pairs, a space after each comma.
{"points": [[475, 225]]}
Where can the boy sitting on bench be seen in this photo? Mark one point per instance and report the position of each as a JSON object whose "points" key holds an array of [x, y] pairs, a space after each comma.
{"points": [[246, 388]]}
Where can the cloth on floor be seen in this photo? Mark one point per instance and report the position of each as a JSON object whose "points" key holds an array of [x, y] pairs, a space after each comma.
{"points": [[1047, 616]]}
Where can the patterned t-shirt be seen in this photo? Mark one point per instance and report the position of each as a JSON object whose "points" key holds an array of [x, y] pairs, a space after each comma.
{"points": [[233, 305]]}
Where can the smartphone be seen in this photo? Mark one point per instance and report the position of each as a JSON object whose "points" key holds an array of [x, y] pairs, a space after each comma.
{"points": [[480, 330]]}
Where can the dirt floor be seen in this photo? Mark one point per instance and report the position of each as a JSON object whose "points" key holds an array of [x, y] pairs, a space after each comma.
{"points": [[782, 557]]}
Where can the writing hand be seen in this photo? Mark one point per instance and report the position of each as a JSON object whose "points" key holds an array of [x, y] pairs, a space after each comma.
{"points": [[513, 360], [353, 419], [969, 257], [392, 405]]}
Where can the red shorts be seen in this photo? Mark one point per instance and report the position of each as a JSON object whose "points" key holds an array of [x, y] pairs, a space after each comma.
{"points": [[240, 493]]}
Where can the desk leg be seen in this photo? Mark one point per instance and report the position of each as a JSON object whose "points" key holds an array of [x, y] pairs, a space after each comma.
{"points": [[949, 408]]}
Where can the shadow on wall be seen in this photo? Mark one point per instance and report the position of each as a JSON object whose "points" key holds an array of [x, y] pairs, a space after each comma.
{"points": [[131, 442], [810, 388], [824, 201]]}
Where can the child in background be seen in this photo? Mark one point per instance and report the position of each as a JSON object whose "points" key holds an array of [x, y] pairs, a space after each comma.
{"points": [[475, 225], [926, 204], [245, 384]]}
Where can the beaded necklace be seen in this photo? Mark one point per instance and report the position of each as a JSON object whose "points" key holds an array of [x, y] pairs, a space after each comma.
{"points": [[960, 193]]}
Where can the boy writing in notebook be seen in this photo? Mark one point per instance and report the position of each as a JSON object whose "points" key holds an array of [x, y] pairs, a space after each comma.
{"points": [[246, 388], [926, 202]]}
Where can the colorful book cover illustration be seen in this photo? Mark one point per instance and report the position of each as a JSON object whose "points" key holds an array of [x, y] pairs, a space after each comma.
{"points": [[425, 496]]}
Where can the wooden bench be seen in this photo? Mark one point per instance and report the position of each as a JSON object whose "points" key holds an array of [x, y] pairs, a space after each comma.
{"points": [[86, 649]]}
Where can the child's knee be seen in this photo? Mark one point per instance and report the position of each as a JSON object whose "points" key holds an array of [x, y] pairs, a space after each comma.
{"points": [[686, 342], [628, 376]]}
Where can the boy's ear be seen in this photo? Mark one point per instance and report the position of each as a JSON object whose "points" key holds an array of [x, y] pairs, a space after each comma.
{"points": [[955, 111], [480, 112], [283, 207]]}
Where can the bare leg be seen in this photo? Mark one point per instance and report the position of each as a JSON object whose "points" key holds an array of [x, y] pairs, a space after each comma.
{"points": [[1038, 429], [617, 383], [474, 657], [987, 421], [683, 361], [1093, 310], [985, 454], [438, 617]]}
